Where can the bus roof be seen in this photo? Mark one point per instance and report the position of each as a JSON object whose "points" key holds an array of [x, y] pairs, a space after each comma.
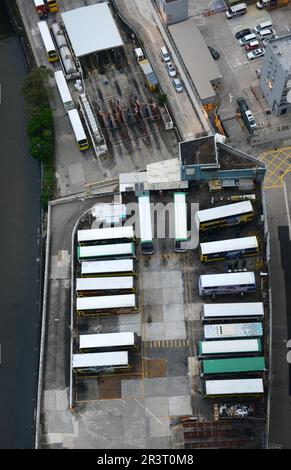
{"points": [[108, 233], [106, 359], [145, 219], [234, 387], [46, 36], [102, 340], [240, 364], [239, 309], [104, 302], [228, 330], [225, 211], [108, 266], [180, 217], [38, 3], [230, 346], [104, 283], [77, 125], [106, 250], [233, 279], [63, 88], [228, 245]]}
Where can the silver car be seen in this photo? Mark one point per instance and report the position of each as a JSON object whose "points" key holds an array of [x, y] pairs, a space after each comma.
{"points": [[178, 85], [171, 69], [260, 52]]}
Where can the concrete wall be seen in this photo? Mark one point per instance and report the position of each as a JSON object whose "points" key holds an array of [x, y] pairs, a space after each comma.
{"points": [[175, 11], [198, 174]]}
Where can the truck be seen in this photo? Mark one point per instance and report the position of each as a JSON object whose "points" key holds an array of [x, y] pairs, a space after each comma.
{"points": [[41, 9], [150, 76]]}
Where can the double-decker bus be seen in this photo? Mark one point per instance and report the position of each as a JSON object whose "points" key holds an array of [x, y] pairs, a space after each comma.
{"points": [[52, 54], [64, 91], [108, 341], [106, 252], [233, 387], [223, 216], [145, 225], [239, 365], [181, 235], [228, 249], [229, 283], [102, 305], [96, 363], [78, 129], [229, 347], [108, 235], [233, 330], [121, 267], [232, 311], [93, 286]]}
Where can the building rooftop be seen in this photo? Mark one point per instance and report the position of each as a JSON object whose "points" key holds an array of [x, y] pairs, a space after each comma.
{"points": [[199, 151], [282, 49]]}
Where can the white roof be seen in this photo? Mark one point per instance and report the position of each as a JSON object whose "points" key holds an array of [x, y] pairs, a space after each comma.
{"points": [[102, 340], [232, 244], [38, 3], [105, 233], [106, 250], [104, 302], [63, 87], [145, 222], [217, 280], [225, 211], [231, 346], [76, 124], [91, 29], [46, 36], [106, 359], [239, 309], [180, 216], [111, 266], [228, 330], [104, 283], [233, 387]]}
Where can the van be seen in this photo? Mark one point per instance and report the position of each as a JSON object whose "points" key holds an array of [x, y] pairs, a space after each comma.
{"points": [[266, 34], [247, 39], [250, 121], [265, 25], [165, 54], [236, 10]]}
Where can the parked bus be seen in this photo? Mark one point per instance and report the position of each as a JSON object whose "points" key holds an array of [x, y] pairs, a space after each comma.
{"points": [[53, 6], [121, 267], [228, 249], [91, 306], [229, 283], [240, 365], [145, 225], [181, 235], [64, 91], [233, 387], [41, 9], [108, 341], [47, 41], [232, 311], [230, 347], [78, 129], [222, 216], [105, 286], [95, 363], [113, 251], [233, 330], [106, 235]]}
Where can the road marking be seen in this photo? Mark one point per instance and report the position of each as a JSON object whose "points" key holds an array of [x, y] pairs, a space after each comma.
{"points": [[230, 97], [149, 411], [287, 208]]}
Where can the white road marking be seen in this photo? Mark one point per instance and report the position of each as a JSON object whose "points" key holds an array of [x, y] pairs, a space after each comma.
{"points": [[149, 411], [230, 97]]}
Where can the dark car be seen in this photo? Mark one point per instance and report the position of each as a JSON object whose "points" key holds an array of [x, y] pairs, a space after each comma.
{"points": [[215, 54], [242, 104], [243, 32]]}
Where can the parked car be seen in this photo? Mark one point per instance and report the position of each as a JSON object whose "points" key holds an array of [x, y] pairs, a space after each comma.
{"points": [[171, 69], [252, 45], [243, 32], [242, 104], [178, 85], [260, 52], [247, 39], [261, 4], [250, 121], [215, 54]]}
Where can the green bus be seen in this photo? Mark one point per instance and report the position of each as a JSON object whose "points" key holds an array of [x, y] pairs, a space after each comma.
{"points": [[233, 366]]}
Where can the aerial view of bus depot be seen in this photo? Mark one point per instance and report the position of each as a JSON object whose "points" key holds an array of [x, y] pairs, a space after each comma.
{"points": [[151, 303]]}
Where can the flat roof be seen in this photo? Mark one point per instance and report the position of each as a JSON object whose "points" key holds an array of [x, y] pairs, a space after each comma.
{"points": [[201, 151], [91, 29], [196, 57], [281, 47]]}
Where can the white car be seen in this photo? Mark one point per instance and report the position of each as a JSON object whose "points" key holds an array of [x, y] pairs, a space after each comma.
{"points": [[171, 69], [178, 85], [256, 53], [250, 119], [261, 4]]}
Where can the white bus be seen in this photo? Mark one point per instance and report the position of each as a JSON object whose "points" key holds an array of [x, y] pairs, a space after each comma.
{"points": [[108, 341], [228, 249], [229, 283], [145, 225], [113, 251], [47, 41], [181, 235], [91, 286], [235, 387], [90, 306], [64, 91], [233, 330], [222, 216], [121, 267], [229, 347], [106, 235], [232, 311], [94, 363], [78, 129]]}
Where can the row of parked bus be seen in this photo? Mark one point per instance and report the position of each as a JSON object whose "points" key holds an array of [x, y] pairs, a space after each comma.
{"points": [[231, 356]]}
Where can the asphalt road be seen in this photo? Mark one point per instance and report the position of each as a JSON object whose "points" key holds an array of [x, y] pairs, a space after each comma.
{"points": [[19, 253]]}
